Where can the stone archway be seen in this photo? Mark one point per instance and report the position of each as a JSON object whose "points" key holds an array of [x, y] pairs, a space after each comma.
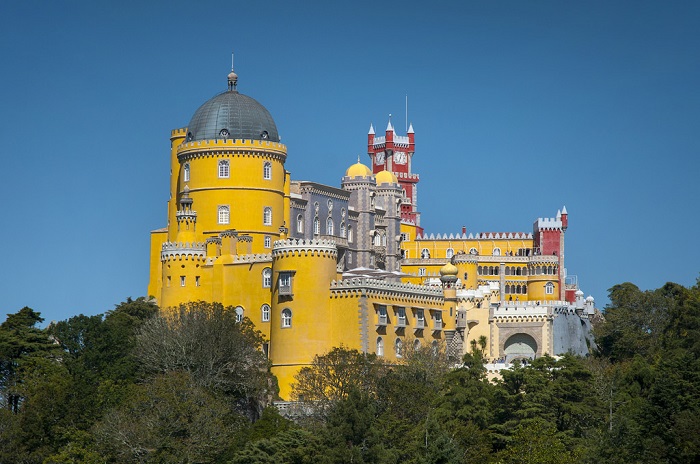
{"points": [[520, 346]]}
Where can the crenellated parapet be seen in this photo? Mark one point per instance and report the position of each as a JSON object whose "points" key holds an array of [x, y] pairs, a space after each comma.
{"points": [[548, 224], [464, 258], [183, 250], [478, 236], [487, 291], [382, 289], [231, 147], [302, 247]]}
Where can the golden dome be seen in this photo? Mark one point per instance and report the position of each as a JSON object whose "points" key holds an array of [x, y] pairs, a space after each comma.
{"points": [[386, 177], [449, 269], [358, 170]]}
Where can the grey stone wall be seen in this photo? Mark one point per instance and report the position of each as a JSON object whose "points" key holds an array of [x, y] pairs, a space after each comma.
{"points": [[572, 334]]}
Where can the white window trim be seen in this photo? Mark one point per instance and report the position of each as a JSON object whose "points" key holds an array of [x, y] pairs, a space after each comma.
{"points": [[221, 209], [224, 169]]}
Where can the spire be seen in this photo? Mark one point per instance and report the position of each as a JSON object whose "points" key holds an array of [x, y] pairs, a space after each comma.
{"points": [[371, 129], [389, 127], [232, 77], [410, 129], [563, 211]]}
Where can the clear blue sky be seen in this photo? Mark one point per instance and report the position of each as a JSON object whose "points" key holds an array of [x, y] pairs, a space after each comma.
{"points": [[519, 108]]}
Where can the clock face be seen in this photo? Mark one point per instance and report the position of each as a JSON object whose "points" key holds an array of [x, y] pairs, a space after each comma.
{"points": [[379, 158], [400, 157]]}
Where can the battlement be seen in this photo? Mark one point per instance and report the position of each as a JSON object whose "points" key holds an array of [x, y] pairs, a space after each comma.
{"points": [[548, 224], [181, 132], [365, 283], [283, 248], [479, 293], [407, 176], [478, 236], [187, 150], [183, 250], [531, 309]]}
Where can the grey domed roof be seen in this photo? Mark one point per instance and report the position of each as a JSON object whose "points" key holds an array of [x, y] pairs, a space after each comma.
{"points": [[231, 115]]}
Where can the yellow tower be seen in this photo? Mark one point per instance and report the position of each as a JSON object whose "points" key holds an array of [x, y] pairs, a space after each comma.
{"points": [[301, 325]]}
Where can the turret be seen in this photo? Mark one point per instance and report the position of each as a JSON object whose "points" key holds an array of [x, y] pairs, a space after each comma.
{"points": [[186, 218], [301, 318]]}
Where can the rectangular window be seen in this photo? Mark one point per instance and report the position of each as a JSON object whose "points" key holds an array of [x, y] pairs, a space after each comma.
{"points": [[438, 321], [196, 281], [401, 317], [405, 237], [285, 283], [381, 314], [421, 271], [182, 281], [420, 318]]}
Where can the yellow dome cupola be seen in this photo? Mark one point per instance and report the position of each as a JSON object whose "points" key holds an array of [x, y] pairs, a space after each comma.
{"points": [[386, 177], [358, 170]]}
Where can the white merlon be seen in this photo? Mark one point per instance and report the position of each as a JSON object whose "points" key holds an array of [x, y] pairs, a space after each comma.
{"points": [[549, 223]]}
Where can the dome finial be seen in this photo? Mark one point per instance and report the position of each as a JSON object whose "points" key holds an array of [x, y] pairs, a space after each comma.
{"points": [[232, 77]]}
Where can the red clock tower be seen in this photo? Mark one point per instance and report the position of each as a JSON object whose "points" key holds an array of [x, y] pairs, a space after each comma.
{"points": [[394, 153]]}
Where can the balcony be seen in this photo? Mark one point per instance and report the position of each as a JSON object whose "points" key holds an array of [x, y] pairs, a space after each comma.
{"points": [[420, 325], [437, 325], [382, 320]]}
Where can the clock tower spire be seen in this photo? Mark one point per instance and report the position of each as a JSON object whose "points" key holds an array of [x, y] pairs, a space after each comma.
{"points": [[394, 153]]}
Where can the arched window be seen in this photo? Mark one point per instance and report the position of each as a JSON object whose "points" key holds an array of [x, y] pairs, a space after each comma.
{"points": [[224, 214], [265, 313], [380, 346], [425, 253], [479, 270], [267, 170], [497, 252], [223, 169], [507, 270], [317, 226], [472, 251], [267, 277], [267, 216], [329, 226], [186, 172], [343, 230], [287, 318], [377, 240], [416, 345], [549, 288], [239, 313], [300, 224], [268, 241], [434, 347], [398, 347], [450, 253]]}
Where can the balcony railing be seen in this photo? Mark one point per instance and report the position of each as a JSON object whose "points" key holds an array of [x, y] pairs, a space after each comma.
{"points": [[382, 320], [420, 324], [437, 324]]}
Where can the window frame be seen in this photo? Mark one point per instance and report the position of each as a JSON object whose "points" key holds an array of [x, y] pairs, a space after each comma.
{"points": [[286, 318], [224, 169], [227, 211]]}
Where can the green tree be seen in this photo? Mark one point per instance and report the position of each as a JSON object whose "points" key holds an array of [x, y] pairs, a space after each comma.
{"points": [[170, 419], [220, 353], [19, 338]]}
